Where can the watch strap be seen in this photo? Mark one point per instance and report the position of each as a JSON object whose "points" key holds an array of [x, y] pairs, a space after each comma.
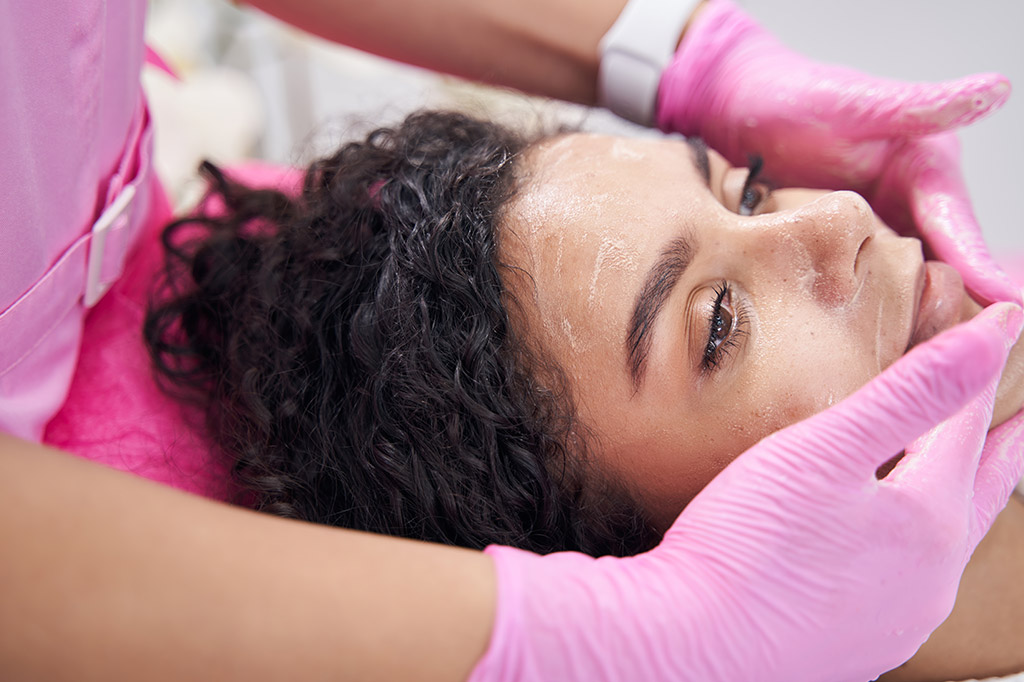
{"points": [[635, 51]]}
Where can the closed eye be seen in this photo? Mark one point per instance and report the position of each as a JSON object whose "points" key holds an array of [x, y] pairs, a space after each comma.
{"points": [[754, 192]]}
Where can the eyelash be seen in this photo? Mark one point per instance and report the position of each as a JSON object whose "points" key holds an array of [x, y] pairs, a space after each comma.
{"points": [[751, 198], [718, 347]]}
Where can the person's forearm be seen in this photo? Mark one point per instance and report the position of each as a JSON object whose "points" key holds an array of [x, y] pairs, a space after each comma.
{"points": [[107, 577], [545, 47]]}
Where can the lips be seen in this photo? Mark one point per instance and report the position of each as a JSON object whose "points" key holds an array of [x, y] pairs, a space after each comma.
{"points": [[938, 303]]}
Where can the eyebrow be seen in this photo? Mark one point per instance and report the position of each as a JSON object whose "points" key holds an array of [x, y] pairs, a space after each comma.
{"points": [[661, 279], [700, 158]]}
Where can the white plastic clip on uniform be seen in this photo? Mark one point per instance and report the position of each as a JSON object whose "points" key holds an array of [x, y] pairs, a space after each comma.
{"points": [[95, 285], [635, 51]]}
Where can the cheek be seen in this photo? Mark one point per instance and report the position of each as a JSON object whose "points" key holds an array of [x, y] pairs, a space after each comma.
{"points": [[801, 368], [674, 456], [788, 373]]}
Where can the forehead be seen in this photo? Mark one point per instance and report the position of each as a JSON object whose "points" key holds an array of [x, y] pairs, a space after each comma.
{"points": [[576, 185], [591, 216], [590, 163]]}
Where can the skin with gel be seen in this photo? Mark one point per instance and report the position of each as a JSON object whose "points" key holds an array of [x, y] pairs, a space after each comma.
{"points": [[756, 296]]}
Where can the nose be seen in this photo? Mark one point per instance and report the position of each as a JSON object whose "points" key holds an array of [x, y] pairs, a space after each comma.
{"points": [[820, 244]]}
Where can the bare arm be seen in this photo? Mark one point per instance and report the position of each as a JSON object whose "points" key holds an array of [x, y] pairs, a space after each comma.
{"points": [[545, 47], [105, 576]]}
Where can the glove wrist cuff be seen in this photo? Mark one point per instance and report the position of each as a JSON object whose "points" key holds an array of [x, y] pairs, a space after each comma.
{"points": [[549, 610], [700, 67]]}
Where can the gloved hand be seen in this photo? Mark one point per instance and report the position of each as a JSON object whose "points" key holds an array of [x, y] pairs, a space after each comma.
{"points": [[1000, 461], [796, 562], [817, 125], [922, 192]]}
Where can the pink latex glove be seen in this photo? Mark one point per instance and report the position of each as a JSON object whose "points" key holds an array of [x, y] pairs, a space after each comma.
{"points": [[922, 191], [1000, 446], [796, 562], [818, 125]]}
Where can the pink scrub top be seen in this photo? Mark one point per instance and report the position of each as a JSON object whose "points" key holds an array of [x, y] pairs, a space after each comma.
{"points": [[77, 192], [74, 140]]}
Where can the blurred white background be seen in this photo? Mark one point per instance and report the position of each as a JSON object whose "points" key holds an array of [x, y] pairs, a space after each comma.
{"points": [[253, 88]]}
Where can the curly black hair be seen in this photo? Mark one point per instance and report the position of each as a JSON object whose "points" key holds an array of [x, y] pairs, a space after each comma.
{"points": [[353, 350]]}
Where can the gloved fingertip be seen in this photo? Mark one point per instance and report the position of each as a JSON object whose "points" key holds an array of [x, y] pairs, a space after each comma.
{"points": [[998, 287], [979, 95], [993, 88], [1009, 290], [1014, 324], [1000, 89], [953, 104], [1006, 320], [988, 283]]}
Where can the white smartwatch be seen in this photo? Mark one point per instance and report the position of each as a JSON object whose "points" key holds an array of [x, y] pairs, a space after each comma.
{"points": [[635, 51]]}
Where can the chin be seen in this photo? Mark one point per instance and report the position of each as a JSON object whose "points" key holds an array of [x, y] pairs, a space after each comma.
{"points": [[942, 302], [1010, 392]]}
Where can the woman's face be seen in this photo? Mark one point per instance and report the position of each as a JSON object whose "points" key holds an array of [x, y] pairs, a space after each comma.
{"points": [[690, 330]]}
